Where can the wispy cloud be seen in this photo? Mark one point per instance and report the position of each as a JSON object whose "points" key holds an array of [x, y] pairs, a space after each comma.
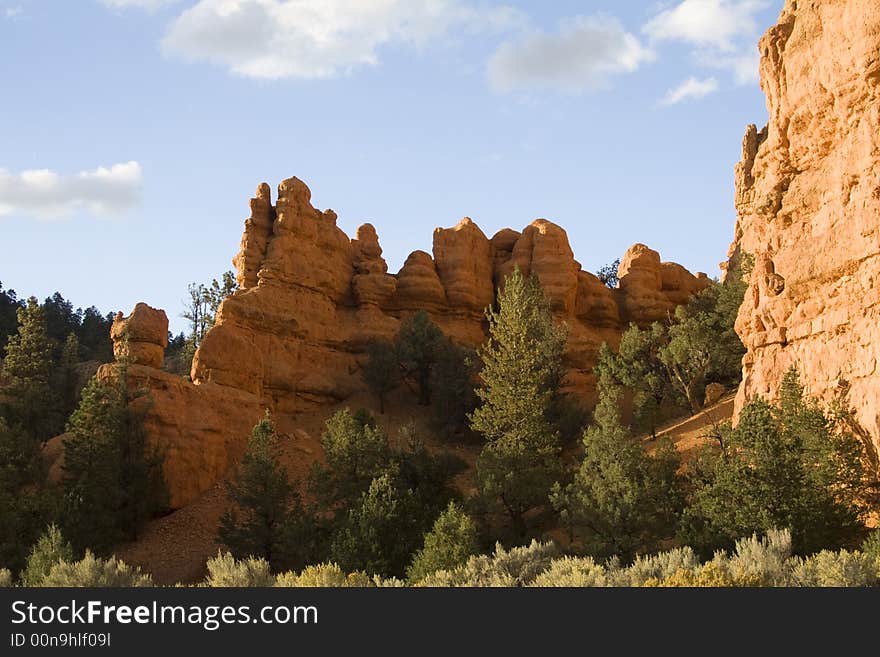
{"points": [[690, 89], [722, 32], [274, 39], [45, 194], [581, 55], [12, 12]]}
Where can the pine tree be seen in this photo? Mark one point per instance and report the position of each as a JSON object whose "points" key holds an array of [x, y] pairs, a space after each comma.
{"points": [[355, 453], [382, 370], [791, 465], [380, 533], [49, 550], [267, 520], [29, 399], [622, 500], [521, 375], [418, 341], [113, 479], [25, 503], [449, 544], [452, 387]]}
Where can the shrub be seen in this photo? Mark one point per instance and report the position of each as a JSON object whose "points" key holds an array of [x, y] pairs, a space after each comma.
{"points": [[708, 575], [5, 578], [92, 571], [765, 559], [519, 566], [323, 575], [226, 570], [657, 567], [573, 571], [841, 568]]}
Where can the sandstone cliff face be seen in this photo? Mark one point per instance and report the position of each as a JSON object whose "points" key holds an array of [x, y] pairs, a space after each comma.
{"points": [[808, 199], [293, 337]]}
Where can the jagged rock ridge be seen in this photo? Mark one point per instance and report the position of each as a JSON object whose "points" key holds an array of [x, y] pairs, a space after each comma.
{"points": [[294, 336]]}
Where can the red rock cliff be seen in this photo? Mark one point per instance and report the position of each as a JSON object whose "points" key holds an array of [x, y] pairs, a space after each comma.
{"points": [[808, 199], [293, 338]]}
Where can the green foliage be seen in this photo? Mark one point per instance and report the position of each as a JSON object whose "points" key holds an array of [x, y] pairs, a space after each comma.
{"points": [[519, 566], [355, 453], [51, 549], [701, 344], [25, 503], [226, 570], [179, 354], [378, 534], [521, 374], [418, 342], [268, 520], [786, 466], [327, 575], [204, 302], [707, 575], [637, 367], [572, 572], [92, 571], [375, 502], [448, 545], [29, 399], [9, 305], [622, 500], [113, 480], [843, 568], [452, 387], [382, 370], [608, 274], [5, 578]]}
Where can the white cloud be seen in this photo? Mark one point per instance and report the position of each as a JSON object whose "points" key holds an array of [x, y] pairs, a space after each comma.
{"points": [[707, 23], [690, 89], [581, 55], [45, 194], [744, 65], [275, 39], [139, 4], [12, 12]]}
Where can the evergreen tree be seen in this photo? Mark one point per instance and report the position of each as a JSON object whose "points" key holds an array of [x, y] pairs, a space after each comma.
{"points": [[452, 387], [448, 545], [637, 366], [382, 370], [380, 533], [25, 504], [28, 398], [49, 550], [622, 500], [608, 274], [790, 465], [9, 305], [355, 453], [267, 520], [521, 374], [113, 479], [418, 342]]}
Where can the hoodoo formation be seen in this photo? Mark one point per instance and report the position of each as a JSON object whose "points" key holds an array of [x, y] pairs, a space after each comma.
{"points": [[294, 336], [808, 199]]}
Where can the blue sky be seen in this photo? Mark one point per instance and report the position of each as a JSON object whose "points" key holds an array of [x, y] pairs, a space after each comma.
{"points": [[133, 132]]}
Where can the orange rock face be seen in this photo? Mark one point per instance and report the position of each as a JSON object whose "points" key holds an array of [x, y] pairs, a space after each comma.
{"points": [[808, 199], [294, 336], [141, 337]]}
